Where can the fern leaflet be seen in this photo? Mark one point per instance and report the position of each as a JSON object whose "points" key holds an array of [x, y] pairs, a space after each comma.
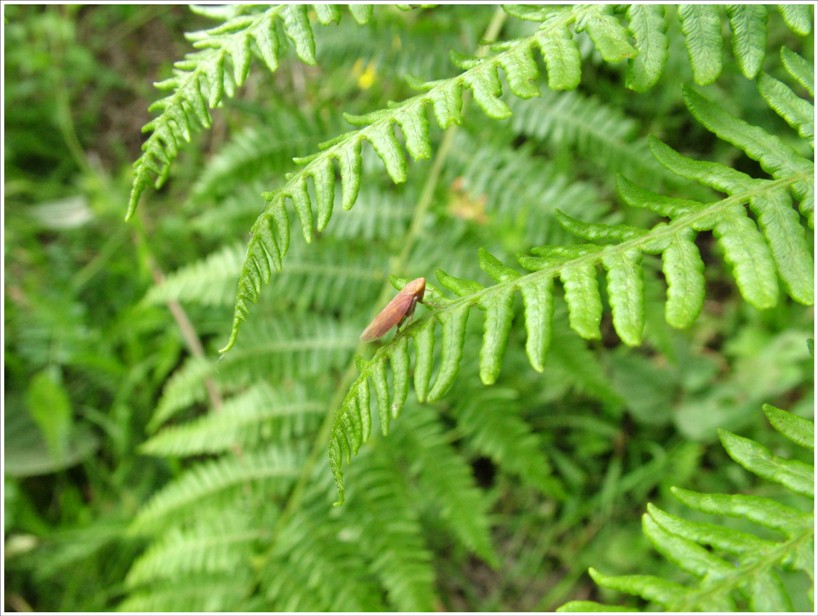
{"points": [[741, 568], [203, 79]]}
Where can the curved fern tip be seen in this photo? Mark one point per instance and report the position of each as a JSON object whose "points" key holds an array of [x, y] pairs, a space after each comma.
{"points": [[132, 203], [230, 343]]}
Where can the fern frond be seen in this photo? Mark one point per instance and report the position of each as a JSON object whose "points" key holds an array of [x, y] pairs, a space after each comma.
{"points": [[203, 78], [744, 247], [214, 544], [317, 279], [183, 389], [270, 233], [755, 257], [271, 470], [599, 133], [371, 221], [246, 421], [492, 427], [445, 480], [388, 534], [774, 156], [739, 568], [209, 282], [287, 346], [539, 185], [196, 593], [256, 151], [302, 572]]}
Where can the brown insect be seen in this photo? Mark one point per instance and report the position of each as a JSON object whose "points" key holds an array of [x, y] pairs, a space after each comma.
{"points": [[397, 311]]}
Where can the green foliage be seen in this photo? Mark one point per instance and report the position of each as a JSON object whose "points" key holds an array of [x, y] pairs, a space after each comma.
{"points": [[757, 259], [171, 478], [740, 570], [385, 521], [271, 232], [204, 78]]}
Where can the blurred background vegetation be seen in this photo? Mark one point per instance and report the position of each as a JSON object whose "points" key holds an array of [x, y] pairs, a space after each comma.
{"points": [[86, 359]]}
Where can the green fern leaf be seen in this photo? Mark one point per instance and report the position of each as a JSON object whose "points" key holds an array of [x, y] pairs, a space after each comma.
{"points": [[763, 511], [701, 26], [245, 421], [214, 545], [744, 247], [753, 256], [424, 358], [274, 469], [683, 268], [362, 13], [266, 249], [302, 571], [499, 314], [608, 35], [182, 390], [199, 593], [749, 25], [801, 70], [749, 569], [775, 157], [582, 296], [592, 606], [647, 24], [454, 333], [561, 56], [492, 427], [327, 14], [486, 87], [649, 587], [538, 299], [792, 474], [799, 430], [798, 17], [778, 222], [521, 71], [797, 112], [201, 81], [389, 533], [625, 292], [445, 479], [210, 281]]}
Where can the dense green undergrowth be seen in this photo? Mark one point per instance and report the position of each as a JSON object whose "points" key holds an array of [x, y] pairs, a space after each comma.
{"points": [[613, 210]]}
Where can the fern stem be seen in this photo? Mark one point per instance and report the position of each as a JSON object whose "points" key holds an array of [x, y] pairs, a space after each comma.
{"points": [[398, 265], [186, 327]]}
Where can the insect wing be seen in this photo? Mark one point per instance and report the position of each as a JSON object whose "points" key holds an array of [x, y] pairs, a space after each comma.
{"points": [[391, 315], [401, 306]]}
